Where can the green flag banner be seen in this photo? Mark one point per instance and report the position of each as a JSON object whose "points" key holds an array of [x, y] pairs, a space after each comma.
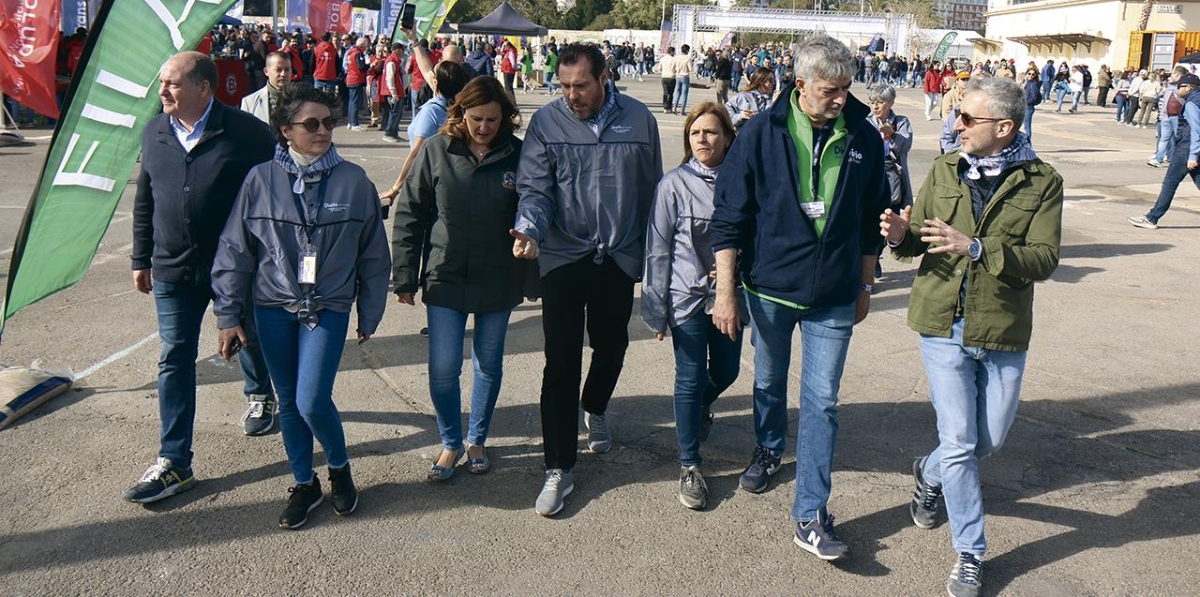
{"points": [[944, 47], [429, 16], [97, 140]]}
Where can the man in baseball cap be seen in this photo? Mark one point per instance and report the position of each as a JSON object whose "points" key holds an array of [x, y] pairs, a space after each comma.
{"points": [[1185, 160]]}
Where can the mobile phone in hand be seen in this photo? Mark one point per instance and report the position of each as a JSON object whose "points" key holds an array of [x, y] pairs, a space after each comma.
{"points": [[234, 346], [408, 16]]}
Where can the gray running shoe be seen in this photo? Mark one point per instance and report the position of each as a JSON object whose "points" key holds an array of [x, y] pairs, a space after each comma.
{"points": [[924, 507], [260, 415], [693, 491], [1143, 222], [559, 484], [818, 538], [966, 578], [599, 441]]}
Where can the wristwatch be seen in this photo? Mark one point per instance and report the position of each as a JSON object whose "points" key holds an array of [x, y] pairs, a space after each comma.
{"points": [[867, 288], [975, 249]]}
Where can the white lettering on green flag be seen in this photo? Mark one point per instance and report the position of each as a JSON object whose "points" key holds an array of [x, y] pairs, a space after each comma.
{"points": [[427, 19], [944, 46], [97, 141]]}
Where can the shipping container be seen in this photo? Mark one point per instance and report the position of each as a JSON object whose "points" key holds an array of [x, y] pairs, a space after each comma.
{"points": [[1161, 49]]}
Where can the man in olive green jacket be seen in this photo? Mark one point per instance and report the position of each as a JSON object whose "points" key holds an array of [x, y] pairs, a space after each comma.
{"points": [[989, 223]]}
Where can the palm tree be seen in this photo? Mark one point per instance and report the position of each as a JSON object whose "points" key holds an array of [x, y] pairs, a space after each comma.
{"points": [[1147, 8]]}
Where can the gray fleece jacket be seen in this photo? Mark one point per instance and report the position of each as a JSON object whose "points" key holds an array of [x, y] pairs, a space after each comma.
{"points": [[261, 246]]}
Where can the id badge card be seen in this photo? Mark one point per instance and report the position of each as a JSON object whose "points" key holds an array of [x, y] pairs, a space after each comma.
{"points": [[813, 209], [308, 267]]}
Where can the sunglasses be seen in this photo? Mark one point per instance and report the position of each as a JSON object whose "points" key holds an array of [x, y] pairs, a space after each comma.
{"points": [[971, 120], [312, 124]]}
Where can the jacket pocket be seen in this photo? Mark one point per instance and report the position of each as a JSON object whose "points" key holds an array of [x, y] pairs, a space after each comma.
{"points": [[1016, 214]]}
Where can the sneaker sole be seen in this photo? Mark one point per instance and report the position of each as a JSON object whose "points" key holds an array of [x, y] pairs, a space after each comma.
{"points": [[176, 489], [697, 507], [561, 503], [262, 432], [314, 505], [813, 550]]}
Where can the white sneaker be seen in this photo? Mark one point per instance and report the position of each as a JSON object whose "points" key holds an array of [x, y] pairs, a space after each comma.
{"points": [[559, 484]]}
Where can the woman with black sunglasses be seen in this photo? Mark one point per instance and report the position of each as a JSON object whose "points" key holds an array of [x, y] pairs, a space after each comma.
{"points": [[304, 242]]}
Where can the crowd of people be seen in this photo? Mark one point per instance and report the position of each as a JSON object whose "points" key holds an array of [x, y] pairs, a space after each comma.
{"points": [[255, 212]]}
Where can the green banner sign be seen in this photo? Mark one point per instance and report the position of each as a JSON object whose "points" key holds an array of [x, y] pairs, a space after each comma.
{"points": [[944, 47], [429, 16], [97, 141]]}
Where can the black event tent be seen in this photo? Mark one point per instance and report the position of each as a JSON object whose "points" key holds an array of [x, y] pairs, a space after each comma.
{"points": [[505, 20]]}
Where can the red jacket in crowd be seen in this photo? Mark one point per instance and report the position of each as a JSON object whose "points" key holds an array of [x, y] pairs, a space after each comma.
{"points": [[325, 58], [356, 73]]}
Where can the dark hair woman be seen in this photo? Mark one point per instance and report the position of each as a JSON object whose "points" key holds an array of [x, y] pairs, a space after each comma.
{"points": [[305, 241]]}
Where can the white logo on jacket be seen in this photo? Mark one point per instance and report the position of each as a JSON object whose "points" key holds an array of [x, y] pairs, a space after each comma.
{"points": [[336, 207], [855, 156], [621, 129]]}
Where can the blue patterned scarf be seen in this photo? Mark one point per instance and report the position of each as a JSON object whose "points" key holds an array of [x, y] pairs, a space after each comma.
{"points": [[323, 164], [1017, 152]]}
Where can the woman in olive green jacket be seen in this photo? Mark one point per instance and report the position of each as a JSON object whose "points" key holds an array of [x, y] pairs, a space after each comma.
{"points": [[462, 196]]}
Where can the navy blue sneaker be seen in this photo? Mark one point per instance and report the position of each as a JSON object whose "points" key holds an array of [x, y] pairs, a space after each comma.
{"points": [[763, 464], [966, 578], [162, 480], [818, 538]]}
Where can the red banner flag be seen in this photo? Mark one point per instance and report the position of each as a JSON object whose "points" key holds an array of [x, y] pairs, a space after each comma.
{"points": [[28, 48], [328, 15]]}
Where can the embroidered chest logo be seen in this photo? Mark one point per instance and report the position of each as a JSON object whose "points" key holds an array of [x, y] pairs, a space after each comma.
{"points": [[336, 207], [621, 129], [509, 180], [855, 156]]}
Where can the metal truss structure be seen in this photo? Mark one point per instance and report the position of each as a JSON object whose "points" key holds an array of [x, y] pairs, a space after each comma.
{"points": [[895, 28]]}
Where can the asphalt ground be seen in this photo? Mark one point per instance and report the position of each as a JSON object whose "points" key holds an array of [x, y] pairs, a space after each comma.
{"points": [[1094, 493]]}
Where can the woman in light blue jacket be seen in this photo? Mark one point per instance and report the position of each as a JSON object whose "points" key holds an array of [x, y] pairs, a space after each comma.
{"points": [[679, 289]]}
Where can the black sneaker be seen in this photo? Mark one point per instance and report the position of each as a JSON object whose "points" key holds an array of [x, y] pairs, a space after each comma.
{"points": [[706, 423], [924, 506], [763, 464], [161, 480], [966, 578], [342, 491], [302, 500], [260, 415], [818, 538], [693, 491]]}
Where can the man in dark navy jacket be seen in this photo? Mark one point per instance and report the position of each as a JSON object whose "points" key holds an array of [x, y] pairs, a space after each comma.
{"points": [[797, 210], [195, 156]]}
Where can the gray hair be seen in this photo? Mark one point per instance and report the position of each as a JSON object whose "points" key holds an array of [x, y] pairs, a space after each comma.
{"points": [[1005, 98], [881, 92], [823, 57]]}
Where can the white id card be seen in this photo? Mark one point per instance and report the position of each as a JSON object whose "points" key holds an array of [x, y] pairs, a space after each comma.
{"points": [[308, 268], [813, 209]]}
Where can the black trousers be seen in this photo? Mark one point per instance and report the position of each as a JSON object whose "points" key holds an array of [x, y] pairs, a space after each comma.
{"points": [[600, 297], [668, 92]]}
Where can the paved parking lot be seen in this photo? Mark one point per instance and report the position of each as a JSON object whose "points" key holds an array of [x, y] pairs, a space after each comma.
{"points": [[1095, 492]]}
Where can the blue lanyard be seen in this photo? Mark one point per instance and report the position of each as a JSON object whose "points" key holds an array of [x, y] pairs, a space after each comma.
{"points": [[309, 220]]}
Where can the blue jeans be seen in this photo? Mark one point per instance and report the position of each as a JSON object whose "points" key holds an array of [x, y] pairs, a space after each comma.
{"points": [[682, 84], [1176, 170], [352, 107], [1167, 126], [706, 364], [329, 87], [825, 338], [1062, 94], [737, 82], [1029, 121], [304, 363], [180, 309], [975, 394], [447, 331], [1122, 102], [1047, 87], [550, 82]]}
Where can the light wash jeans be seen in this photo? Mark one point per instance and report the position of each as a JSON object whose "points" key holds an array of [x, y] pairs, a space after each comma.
{"points": [[933, 104], [975, 394], [447, 332], [825, 338], [682, 84], [1167, 125], [303, 364]]}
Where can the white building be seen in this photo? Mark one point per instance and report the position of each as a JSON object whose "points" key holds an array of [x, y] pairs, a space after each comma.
{"points": [[1093, 32]]}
